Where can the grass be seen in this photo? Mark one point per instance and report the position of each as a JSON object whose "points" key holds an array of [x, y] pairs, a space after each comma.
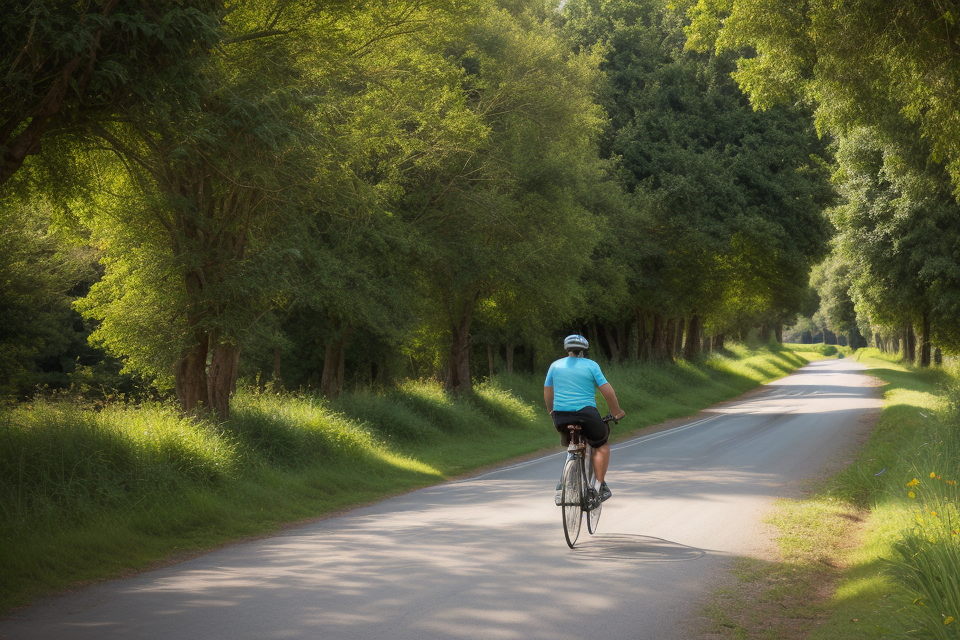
{"points": [[872, 552], [89, 493]]}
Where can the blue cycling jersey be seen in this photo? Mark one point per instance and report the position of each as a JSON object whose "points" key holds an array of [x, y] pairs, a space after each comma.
{"points": [[574, 382]]}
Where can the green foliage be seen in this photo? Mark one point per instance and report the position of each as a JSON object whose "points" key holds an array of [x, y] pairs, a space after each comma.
{"points": [[898, 235], [40, 273], [862, 63], [731, 199], [67, 65]]}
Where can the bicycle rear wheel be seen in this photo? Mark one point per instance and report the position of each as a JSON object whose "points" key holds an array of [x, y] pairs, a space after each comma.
{"points": [[571, 500], [592, 503]]}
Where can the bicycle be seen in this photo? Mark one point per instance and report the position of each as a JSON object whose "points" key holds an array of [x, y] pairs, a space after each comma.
{"points": [[579, 489]]}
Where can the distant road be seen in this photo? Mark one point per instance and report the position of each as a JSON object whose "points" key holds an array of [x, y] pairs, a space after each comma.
{"points": [[486, 558]]}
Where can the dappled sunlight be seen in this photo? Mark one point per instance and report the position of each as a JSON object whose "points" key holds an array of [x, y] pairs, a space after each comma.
{"points": [[433, 565], [404, 462]]}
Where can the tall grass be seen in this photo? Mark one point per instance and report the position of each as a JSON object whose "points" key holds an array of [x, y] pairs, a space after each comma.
{"points": [[927, 562], [903, 578], [88, 492], [59, 460]]}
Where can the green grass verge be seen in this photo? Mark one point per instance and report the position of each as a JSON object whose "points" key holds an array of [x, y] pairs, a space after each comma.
{"points": [[89, 493], [872, 553]]}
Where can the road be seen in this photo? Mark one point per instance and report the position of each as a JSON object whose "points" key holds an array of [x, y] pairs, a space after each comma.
{"points": [[485, 557]]}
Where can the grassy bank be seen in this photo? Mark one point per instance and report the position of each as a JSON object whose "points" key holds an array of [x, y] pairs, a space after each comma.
{"points": [[88, 493], [871, 553]]}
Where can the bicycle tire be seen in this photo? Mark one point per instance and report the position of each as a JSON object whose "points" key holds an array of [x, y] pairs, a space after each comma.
{"points": [[594, 507], [571, 500]]}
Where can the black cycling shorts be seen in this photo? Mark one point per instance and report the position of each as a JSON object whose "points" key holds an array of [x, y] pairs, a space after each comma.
{"points": [[594, 430]]}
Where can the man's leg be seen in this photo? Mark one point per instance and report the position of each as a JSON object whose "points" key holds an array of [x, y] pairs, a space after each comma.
{"points": [[601, 460]]}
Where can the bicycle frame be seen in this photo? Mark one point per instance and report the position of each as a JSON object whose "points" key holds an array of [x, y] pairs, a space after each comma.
{"points": [[578, 495]]}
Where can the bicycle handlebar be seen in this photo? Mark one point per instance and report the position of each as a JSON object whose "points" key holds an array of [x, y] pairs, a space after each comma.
{"points": [[609, 417]]}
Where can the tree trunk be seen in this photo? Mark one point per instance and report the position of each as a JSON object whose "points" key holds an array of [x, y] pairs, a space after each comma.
{"points": [[718, 341], [643, 338], [659, 339], [925, 341], [490, 359], [222, 377], [593, 337], [276, 363], [681, 327], [457, 379], [509, 357], [778, 332], [693, 338], [623, 338], [190, 376], [910, 344], [612, 347], [334, 363], [937, 356], [670, 339]]}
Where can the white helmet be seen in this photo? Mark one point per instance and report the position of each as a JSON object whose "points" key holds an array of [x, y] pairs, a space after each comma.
{"points": [[575, 342]]}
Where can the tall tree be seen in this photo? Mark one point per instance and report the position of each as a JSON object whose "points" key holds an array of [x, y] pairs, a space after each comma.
{"points": [[899, 232], [507, 217]]}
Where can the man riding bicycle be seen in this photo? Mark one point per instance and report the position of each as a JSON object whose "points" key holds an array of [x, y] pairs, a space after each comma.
{"points": [[570, 395]]}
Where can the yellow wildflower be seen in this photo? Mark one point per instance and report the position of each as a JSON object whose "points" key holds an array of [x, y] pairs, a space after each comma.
{"points": [[913, 483], [933, 474], [912, 495], [948, 620]]}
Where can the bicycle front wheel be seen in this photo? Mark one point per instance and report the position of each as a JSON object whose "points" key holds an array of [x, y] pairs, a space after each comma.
{"points": [[592, 501], [571, 500]]}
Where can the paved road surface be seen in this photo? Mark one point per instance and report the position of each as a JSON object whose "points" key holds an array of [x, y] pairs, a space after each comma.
{"points": [[486, 558]]}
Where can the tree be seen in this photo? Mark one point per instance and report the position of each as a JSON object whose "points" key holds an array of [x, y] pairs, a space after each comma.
{"points": [[899, 232], [863, 63], [505, 218], [39, 273], [66, 65], [832, 281], [733, 198]]}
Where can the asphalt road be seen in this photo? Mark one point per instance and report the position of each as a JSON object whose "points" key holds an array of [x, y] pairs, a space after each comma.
{"points": [[486, 558]]}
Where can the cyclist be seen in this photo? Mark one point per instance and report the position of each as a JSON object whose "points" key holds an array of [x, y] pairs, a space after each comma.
{"points": [[570, 395]]}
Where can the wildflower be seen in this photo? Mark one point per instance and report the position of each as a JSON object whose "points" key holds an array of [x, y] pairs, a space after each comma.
{"points": [[954, 532], [933, 513], [912, 495], [951, 482], [933, 474], [913, 483], [948, 620]]}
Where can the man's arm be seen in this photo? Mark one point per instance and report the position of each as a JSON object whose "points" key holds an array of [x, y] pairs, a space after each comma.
{"points": [[608, 394], [548, 398]]}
